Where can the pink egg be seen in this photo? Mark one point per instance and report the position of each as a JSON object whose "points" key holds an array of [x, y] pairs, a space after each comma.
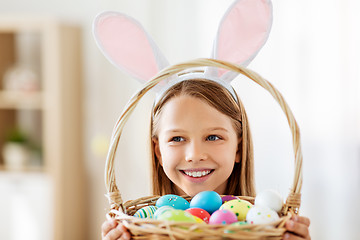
{"points": [[222, 217], [200, 213]]}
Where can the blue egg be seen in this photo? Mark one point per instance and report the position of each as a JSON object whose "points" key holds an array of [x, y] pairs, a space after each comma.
{"points": [[174, 201], [161, 210], [210, 201]]}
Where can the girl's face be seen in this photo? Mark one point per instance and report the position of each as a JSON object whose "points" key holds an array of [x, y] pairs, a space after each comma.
{"points": [[197, 145]]}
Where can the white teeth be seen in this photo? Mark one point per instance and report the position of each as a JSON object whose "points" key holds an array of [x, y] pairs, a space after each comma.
{"points": [[197, 173]]}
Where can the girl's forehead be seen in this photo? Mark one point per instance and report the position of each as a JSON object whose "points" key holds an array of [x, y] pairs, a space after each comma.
{"points": [[186, 111], [187, 103]]}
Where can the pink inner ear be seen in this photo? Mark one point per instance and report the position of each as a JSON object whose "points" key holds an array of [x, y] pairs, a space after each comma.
{"points": [[127, 46], [244, 31]]}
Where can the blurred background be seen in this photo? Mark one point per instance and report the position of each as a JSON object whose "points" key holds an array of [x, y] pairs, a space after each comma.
{"points": [[60, 98]]}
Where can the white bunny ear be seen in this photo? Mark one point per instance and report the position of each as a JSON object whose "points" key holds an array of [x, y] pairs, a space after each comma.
{"points": [[126, 44], [242, 32]]}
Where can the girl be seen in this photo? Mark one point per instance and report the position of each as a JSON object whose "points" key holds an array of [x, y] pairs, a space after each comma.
{"points": [[200, 134], [201, 141]]}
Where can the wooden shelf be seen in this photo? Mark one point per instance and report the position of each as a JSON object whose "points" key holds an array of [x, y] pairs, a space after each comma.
{"points": [[53, 50], [20, 100], [26, 169]]}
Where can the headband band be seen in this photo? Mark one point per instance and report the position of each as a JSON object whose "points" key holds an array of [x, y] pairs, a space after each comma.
{"points": [[190, 76]]}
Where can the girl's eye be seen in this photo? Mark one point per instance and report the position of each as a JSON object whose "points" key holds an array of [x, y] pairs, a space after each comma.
{"points": [[177, 139], [212, 138]]}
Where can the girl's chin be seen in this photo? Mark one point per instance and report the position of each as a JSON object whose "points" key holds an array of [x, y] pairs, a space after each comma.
{"points": [[192, 191]]}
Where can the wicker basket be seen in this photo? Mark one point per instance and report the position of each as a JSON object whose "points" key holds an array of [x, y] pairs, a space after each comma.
{"points": [[155, 229]]}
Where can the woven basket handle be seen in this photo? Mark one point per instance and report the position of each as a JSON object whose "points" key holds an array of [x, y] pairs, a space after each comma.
{"points": [[293, 200]]}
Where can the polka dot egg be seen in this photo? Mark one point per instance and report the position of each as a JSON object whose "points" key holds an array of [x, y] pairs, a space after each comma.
{"points": [[261, 215], [239, 207], [146, 212], [174, 201], [222, 216], [200, 213]]}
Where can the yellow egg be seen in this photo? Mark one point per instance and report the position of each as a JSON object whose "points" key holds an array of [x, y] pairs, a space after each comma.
{"points": [[239, 207], [198, 220]]}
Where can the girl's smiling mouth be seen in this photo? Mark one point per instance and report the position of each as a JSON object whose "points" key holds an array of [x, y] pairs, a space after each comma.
{"points": [[197, 174]]}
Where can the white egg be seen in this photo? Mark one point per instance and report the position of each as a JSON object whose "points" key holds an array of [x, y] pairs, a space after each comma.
{"points": [[271, 199], [261, 215]]}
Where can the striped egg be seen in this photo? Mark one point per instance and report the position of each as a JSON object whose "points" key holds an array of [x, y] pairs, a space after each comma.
{"points": [[146, 212]]}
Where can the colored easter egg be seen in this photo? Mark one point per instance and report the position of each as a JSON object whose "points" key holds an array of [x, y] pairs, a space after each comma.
{"points": [[177, 216], [161, 210], [227, 198], [210, 201], [199, 220], [222, 216], [242, 223], [271, 199], [174, 201], [239, 223], [260, 214], [239, 207], [146, 212], [200, 213]]}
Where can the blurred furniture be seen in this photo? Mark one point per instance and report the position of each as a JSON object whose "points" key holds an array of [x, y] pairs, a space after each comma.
{"points": [[52, 187]]}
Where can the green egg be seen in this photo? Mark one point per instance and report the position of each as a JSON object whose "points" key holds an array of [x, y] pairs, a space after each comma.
{"points": [[177, 216], [239, 223], [236, 224]]}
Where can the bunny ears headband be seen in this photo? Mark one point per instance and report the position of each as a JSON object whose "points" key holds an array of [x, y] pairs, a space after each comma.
{"points": [[241, 34]]}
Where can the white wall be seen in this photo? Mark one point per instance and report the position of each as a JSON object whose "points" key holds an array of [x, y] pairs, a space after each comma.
{"points": [[312, 57]]}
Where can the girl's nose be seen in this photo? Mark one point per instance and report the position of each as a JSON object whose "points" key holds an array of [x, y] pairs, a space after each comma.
{"points": [[195, 152]]}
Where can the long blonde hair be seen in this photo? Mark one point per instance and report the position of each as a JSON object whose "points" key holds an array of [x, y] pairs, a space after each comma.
{"points": [[241, 180]]}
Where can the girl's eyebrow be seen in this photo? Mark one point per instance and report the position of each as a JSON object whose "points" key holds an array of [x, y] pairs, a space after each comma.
{"points": [[218, 129], [175, 130]]}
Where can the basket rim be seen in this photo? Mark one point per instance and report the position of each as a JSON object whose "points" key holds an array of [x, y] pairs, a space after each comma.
{"points": [[294, 198]]}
